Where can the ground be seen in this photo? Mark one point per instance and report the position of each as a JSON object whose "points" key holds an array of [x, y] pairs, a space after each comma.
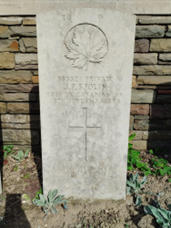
{"points": [[22, 180]]}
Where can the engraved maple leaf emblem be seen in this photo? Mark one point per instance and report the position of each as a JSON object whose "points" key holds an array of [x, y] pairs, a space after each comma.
{"points": [[86, 44]]}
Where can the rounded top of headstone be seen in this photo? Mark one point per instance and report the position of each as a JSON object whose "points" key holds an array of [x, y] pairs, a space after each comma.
{"points": [[85, 44]]}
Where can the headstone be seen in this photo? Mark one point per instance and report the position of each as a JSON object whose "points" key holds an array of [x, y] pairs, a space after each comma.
{"points": [[85, 67]]}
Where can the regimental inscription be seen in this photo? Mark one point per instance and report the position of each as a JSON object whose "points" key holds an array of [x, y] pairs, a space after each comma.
{"points": [[86, 44], [85, 127]]}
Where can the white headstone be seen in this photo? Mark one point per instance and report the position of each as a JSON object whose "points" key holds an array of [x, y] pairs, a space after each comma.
{"points": [[85, 67]]}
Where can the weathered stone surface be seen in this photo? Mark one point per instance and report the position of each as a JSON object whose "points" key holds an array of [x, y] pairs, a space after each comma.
{"points": [[26, 59], [152, 70], [168, 34], [139, 144], [141, 117], [7, 60], [145, 59], [160, 45], [165, 57], [11, 20], [8, 45], [154, 19], [20, 136], [29, 21], [21, 88], [23, 107], [148, 31], [3, 107], [23, 30], [4, 32], [138, 135], [18, 97], [26, 67], [146, 86], [12, 76], [35, 72], [134, 81], [141, 124], [154, 80], [28, 44], [143, 96], [141, 45], [139, 109], [20, 121], [160, 111], [35, 79], [165, 99], [88, 148], [131, 122]]}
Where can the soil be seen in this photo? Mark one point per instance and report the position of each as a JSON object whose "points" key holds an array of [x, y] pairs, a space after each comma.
{"points": [[18, 211]]}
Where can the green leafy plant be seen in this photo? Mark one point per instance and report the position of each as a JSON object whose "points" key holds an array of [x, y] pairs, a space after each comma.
{"points": [[26, 176], [48, 203], [21, 155], [38, 193], [163, 217], [134, 160], [161, 166], [7, 150], [16, 168], [134, 187]]}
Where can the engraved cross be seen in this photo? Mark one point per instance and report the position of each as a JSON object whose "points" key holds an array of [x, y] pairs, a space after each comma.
{"points": [[85, 127]]}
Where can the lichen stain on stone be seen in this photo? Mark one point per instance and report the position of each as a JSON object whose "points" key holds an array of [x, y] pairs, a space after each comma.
{"points": [[14, 45]]}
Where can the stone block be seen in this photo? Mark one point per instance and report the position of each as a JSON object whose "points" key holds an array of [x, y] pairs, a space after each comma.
{"points": [[12, 76], [164, 91], [154, 80], [141, 45], [11, 20], [165, 99], [14, 118], [8, 45], [168, 34], [26, 59], [134, 81], [160, 45], [35, 72], [20, 137], [154, 20], [138, 135], [26, 67], [35, 79], [160, 111], [139, 109], [149, 31], [21, 88], [139, 144], [141, 117], [141, 124], [145, 59], [19, 97], [159, 135], [7, 60], [23, 108], [23, 30], [4, 32], [28, 45], [165, 57], [29, 21], [131, 122], [3, 107], [152, 70], [143, 96]]}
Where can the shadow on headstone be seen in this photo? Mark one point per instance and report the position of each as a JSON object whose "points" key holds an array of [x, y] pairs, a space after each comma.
{"points": [[14, 215], [36, 131]]}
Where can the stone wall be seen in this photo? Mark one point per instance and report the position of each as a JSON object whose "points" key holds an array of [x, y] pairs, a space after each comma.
{"points": [[151, 88]]}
